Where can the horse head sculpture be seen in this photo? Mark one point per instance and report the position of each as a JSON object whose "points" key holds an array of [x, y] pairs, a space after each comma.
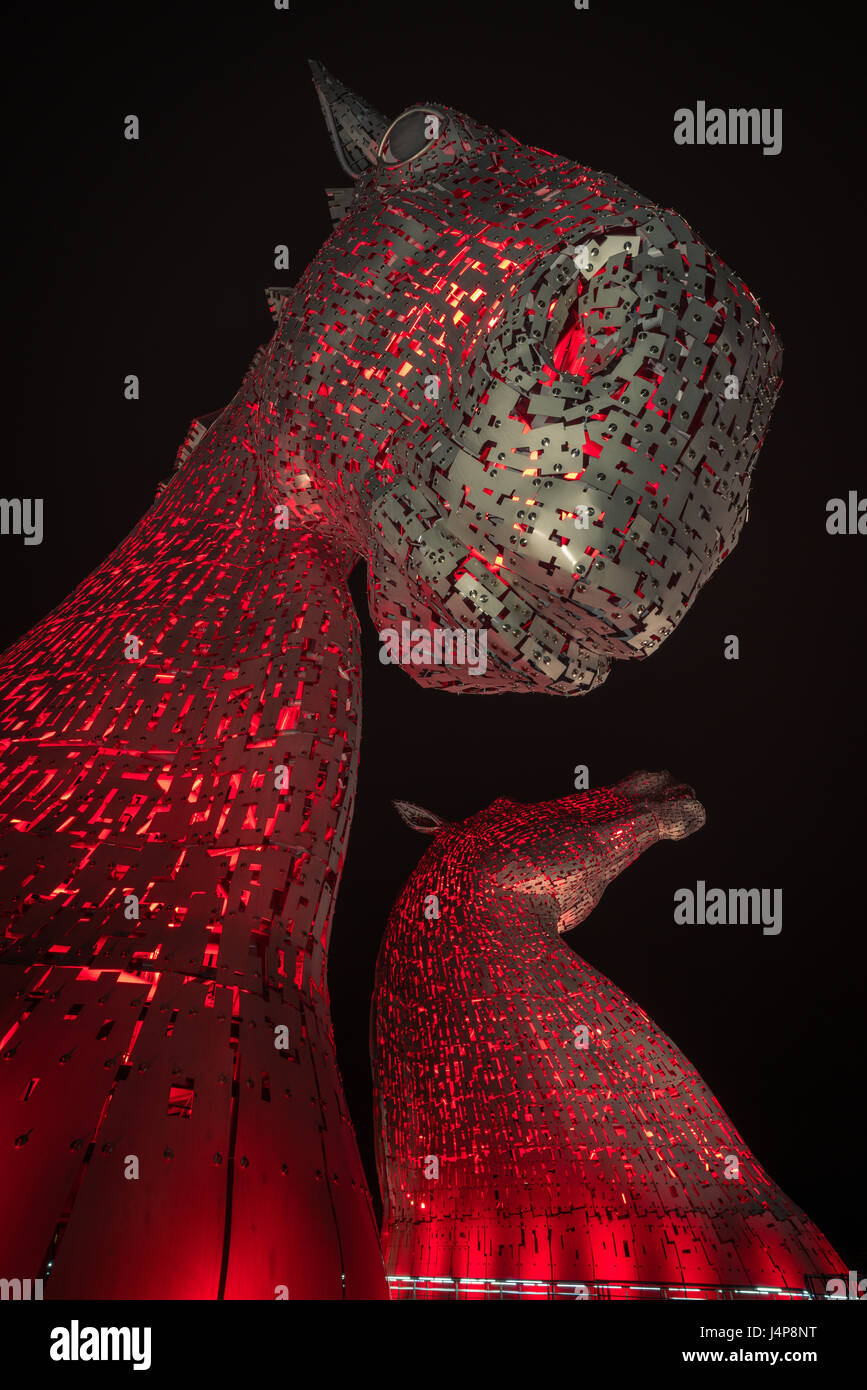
{"points": [[533, 1123], [533, 398]]}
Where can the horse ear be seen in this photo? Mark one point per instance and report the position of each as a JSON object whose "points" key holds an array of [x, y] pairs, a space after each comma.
{"points": [[417, 818], [356, 128]]}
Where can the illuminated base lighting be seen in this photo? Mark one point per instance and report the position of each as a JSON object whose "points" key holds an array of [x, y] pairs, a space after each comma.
{"points": [[403, 1286]]}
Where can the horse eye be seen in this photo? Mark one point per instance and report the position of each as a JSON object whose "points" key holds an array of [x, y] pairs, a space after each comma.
{"points": [[593, 336], [409, 136]]}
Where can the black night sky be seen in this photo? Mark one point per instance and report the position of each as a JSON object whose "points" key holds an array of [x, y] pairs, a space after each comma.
{"points": [[153, 257]]}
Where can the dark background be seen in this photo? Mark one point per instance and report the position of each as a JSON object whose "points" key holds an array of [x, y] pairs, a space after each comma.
{"points": [[152, 257]]}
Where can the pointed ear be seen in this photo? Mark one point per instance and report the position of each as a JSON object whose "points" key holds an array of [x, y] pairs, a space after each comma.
{"points": [[356, 128], [417, 818]]}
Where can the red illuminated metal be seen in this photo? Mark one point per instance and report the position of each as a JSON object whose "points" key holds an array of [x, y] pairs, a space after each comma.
{"points": [[179, 738], [538, 1135]]}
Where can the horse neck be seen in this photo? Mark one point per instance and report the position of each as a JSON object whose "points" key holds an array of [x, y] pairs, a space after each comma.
{"points": [[478, 921], [147, 766]]}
